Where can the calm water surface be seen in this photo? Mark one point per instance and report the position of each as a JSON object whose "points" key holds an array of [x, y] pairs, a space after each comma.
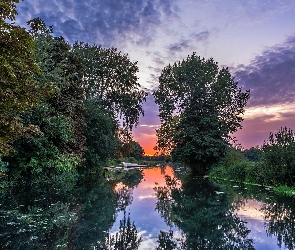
{"points": [[160, 210]]}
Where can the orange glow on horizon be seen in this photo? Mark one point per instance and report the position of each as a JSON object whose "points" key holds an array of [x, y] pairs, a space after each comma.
{"points": [[147, 144]]}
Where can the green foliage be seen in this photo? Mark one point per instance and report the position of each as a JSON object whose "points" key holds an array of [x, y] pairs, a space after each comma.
{"points": [[59, 128], [61, 66], [200, 106], [45, 215], [253, 154], [59, 148], [234, 166], [3, 165], [101, 139], [284, 190], [233, 156], [19, 89], [132, 149], [129, 159], [279, 158], [42, 161], [166, 241], [137, 151], [165, 135], [109, 77]]}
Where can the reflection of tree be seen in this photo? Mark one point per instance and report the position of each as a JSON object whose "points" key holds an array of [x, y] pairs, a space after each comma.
{"points": [[280, 220], [166, 241], [125, 197], [130, 178], [279, 211], [43, 217], [126, 239], [205, 216], [97, 214], [35, 217]]}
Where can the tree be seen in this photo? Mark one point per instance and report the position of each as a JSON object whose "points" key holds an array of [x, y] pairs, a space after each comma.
{"points": [[109, 77], [102, 141], [19, 90], [61, 66], [207, 104], [60, 117], [278, 158], [253, 154], [132, 149]]}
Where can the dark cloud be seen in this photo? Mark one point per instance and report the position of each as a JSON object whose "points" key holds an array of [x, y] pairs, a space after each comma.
{"points": [[201, 36], [179, 46], [157, 57], [270, 76], [99, 21], [188, 43]]}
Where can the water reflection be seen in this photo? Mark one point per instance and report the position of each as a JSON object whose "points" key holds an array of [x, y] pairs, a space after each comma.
{"points": [[204, 215], [142, 208], [270, 217], [279, 216], [151, 209], [127, 238]]}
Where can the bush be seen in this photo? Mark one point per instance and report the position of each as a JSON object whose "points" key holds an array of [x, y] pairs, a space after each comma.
{"points": [[279, 158]]}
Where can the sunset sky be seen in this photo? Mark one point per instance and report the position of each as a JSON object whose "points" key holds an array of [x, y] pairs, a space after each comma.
{"points": [[255, 39]]}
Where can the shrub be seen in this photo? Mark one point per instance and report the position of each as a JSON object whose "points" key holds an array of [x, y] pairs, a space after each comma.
{"points": [[279, 158]]}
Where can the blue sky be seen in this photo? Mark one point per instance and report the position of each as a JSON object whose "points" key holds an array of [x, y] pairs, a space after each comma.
{"points": [[254, 38]]}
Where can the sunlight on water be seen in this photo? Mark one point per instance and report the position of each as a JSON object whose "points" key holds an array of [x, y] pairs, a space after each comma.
{"points": [[143, 211]]}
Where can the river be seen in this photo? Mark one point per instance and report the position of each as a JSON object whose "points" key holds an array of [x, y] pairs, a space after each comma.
{"points": [[160, 208]]}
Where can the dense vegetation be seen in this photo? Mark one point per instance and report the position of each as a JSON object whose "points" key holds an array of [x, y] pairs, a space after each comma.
{"points": [[66, 110], [272, 164]]}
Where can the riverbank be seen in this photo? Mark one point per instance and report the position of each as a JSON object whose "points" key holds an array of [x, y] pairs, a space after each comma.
{"points": [[280, 189]]}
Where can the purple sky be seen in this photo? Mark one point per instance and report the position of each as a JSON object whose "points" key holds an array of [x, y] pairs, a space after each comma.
{"points": [[255, 39]]}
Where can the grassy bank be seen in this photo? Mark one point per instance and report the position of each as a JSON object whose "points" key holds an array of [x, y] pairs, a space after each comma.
{"points": [[253, 173]]}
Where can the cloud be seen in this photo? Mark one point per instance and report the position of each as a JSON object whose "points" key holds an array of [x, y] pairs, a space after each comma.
{"points": [[270, 76], [201, 36], [261, 120], [271, 80], [100, 21], [179, 46], [157, 58]]}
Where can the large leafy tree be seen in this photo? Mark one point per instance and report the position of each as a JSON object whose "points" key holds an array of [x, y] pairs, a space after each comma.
{"points": [[109, 77], [102, 141], [113, 95], [200, 105], [59, 117], [63, 67], [19, 89]]}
